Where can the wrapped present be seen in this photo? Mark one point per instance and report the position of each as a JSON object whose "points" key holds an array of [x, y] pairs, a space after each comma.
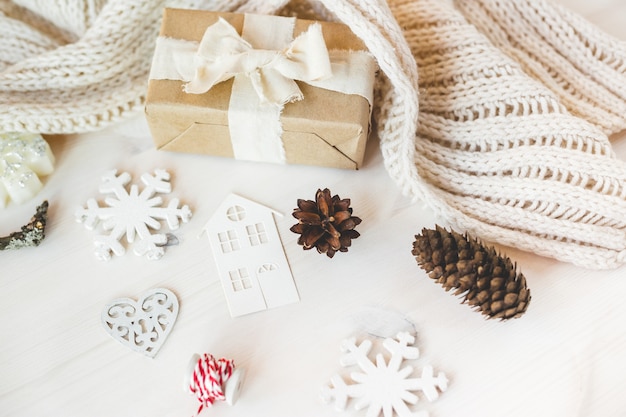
{"points": [[260, 88]]}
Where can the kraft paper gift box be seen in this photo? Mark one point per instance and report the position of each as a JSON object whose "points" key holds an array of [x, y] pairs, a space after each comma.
{"points": [[323, 120]]}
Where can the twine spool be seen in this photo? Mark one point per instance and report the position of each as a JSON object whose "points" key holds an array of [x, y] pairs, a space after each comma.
{"points": [[211, 380]]}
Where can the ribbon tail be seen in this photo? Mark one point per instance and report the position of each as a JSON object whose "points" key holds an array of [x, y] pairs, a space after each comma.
{"points": [[208, 74], [273, 87]]}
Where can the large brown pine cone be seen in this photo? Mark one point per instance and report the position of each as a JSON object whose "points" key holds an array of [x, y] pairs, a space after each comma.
{"points": [[326, 224], [489, 282]]}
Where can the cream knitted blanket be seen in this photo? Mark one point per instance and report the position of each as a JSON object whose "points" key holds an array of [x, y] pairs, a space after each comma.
{"points": [[515, 102]]}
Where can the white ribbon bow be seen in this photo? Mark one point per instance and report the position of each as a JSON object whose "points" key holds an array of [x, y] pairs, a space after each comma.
{"points": [[223, 54]]}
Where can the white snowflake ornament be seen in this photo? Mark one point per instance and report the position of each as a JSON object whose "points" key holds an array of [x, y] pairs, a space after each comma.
{"points": [[23, 157], [382, 386], [132, 214]]}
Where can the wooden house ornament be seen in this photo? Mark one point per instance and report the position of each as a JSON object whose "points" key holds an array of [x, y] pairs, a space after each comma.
{"points": [[249, 255]]}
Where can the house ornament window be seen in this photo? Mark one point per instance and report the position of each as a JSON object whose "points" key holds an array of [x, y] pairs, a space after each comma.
{"points": [[240, 279], [229, 242], [256, 234], [236, 213], [267, 268]]}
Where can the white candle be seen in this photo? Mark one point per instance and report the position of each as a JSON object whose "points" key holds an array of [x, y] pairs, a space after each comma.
{"points": [[23, 158]]}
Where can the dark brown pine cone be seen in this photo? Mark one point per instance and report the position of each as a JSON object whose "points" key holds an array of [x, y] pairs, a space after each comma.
{"points": [[326, 224], [489, 282]]}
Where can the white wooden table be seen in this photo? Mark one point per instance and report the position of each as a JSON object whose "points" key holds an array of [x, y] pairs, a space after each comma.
{"points": [[565, 357]]}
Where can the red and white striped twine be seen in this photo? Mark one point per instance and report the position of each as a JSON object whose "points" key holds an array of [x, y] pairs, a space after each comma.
{"points": [[208, 379]]}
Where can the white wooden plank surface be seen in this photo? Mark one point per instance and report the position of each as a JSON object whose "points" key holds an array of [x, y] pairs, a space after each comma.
{"points": [[565, 357]]}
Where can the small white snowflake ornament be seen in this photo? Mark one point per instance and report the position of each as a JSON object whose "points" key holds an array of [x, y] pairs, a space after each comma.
{"points": [[132, 214], [23, 157], [382, 386]]}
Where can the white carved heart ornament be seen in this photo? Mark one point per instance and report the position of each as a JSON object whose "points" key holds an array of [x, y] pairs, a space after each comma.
{"points": [[142, 325]]}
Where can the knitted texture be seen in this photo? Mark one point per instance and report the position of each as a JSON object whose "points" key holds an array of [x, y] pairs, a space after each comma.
{"points": [[82, 85], [86, 64], [73, 16], [495, 151], [501, 156], [584, 66]]}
